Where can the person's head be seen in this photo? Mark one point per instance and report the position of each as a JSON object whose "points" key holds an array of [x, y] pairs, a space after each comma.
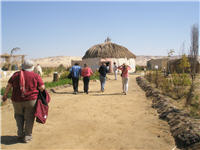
{"points": [[85, 65], [38, 64], [76, 64], [124, 65], [103, 63], [114, 63], [28, 65]]}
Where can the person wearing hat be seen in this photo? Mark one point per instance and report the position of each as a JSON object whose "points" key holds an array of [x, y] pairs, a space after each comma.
{"points": [[124, 68], [25, 85]]}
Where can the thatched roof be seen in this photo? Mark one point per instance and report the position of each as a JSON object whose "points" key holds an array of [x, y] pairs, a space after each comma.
{"points": [[108, 50]]}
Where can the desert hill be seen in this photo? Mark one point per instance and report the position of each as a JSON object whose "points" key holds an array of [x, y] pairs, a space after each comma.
{"points": [[55, 61]]}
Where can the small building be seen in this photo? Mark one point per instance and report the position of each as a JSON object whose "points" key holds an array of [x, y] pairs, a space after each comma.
{"points": [[173, 66], [8, 61], [109, 53], [161, 63]]}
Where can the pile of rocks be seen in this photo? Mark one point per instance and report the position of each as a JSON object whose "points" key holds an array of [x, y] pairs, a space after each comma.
{"points": [[184, 129]]}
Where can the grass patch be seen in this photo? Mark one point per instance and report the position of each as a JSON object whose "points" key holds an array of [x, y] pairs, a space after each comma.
{"points": [[57, 83]]}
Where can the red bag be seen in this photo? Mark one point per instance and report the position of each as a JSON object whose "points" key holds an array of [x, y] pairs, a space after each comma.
{"points": [[42, 107]]}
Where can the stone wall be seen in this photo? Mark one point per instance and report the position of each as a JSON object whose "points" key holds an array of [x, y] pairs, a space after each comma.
{"points": [[184, 129]]}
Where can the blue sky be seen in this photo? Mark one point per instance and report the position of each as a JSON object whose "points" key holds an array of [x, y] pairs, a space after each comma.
{"points": [[44, 29]]}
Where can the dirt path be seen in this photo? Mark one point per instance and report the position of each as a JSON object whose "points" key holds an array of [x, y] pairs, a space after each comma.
{"points": [[109, 121]]}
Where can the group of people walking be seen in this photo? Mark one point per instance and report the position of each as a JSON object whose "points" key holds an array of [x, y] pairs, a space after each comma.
{"points": [[76, 71], [26, 85]]}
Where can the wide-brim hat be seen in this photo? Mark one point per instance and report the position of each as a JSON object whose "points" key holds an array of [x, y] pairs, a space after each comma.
{"points": [[28, 65]]}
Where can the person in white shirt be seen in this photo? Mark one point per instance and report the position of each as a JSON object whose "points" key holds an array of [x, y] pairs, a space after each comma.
{"points": [[38, 69], [115, 70]]}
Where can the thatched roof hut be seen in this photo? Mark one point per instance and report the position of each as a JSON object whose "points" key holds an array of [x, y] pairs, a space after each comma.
{"points": [[108, 53], [108, 50]]}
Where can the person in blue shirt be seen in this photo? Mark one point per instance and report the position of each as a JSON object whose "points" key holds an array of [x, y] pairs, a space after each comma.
{"points": [[76, 73]]}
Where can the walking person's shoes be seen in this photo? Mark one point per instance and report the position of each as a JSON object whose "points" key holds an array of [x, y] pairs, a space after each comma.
{"points": [[27, 138], [20, 139]]}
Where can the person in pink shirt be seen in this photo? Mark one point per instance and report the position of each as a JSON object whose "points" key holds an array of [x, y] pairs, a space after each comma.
{"points": [[86, 72], [124, 68]]}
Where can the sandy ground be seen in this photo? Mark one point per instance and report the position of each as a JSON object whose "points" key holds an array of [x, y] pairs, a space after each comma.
{"points": [[108, 121]]}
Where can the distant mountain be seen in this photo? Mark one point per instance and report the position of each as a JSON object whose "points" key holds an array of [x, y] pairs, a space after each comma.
{"points": [[56, 61]]}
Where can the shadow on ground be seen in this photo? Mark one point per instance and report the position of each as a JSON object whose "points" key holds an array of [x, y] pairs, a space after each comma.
{"points": [[9, 140]]}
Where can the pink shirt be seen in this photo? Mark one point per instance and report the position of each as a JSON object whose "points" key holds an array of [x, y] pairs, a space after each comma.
{"points": [[124, 71], [86, 72]]}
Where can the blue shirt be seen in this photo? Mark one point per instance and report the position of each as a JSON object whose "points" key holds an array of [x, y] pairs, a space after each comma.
{"points": [[76, 71]]}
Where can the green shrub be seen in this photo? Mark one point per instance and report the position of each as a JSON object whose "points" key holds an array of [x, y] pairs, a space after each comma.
{"points": [[95, 76], [140, 68], [60, 68], [64, 75], [3, 91], [47, 71]]}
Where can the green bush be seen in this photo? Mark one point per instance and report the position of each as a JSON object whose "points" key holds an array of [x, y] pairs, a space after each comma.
{"points": [[47, 71], [3, 91], [175, 85], [140, 68], [64, 75], [60, 68]]}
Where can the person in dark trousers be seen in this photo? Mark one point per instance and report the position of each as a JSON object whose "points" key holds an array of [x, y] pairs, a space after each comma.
{"points": [[103, 71], [76, 72], [86, 72]]}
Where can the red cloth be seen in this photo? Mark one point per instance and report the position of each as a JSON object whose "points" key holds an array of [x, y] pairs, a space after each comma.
{"points": [[41, 112], [32, 82], [124, 71], [86, 72], [22, 82]]}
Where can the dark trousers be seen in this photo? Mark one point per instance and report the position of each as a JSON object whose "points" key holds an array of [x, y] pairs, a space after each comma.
{"points": [[75, 84], [86, 81]]}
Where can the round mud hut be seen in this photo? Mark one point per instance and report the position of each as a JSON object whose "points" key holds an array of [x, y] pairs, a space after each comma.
{"points": [[109, 53]]}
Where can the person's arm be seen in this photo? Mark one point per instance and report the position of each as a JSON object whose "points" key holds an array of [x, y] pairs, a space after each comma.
{"points": [[100, 70], [5, 96], [120, 67], [91, 71], [42, 87]]}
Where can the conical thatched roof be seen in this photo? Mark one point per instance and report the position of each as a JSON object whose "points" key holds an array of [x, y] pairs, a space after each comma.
{"points": [[108, 50]]}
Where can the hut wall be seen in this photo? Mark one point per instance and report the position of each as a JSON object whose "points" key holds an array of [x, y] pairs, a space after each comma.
{"points": [[120, 61], [93, 63]]}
